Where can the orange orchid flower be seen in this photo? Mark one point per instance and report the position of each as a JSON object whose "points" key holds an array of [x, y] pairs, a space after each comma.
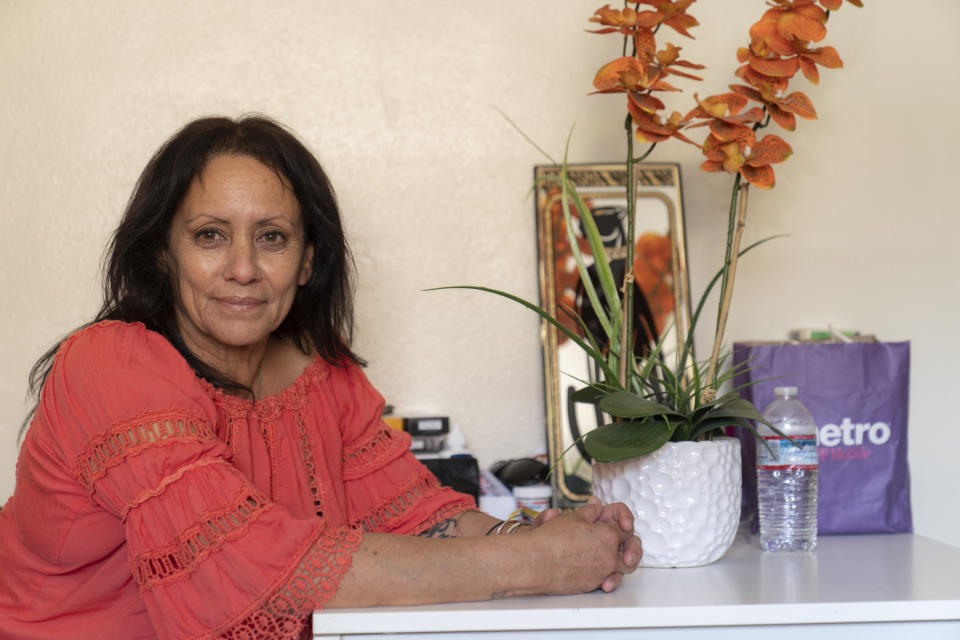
{"points": [[780, 26], [629, 74], [830, 5], [723, 112], [669, 57], [749, 75], [787, 31], [652, 128], [789, 4], [660, 64], [669, 12], [768, 69], [781, 43], [646, 102], [766, 62], [783, 110], [823, 56], [616, 20], [833, 5], [740, 152]]}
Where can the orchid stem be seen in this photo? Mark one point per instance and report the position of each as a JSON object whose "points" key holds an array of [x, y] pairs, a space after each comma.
{"points": [[645, 154], [626, 335], [735, 233]]}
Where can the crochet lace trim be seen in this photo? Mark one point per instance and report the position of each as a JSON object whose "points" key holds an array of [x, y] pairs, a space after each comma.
{"points": [[282, 613], [386, 445], [129, 437], [317, 490], [180, 557], [292, 397], [383, 518]]}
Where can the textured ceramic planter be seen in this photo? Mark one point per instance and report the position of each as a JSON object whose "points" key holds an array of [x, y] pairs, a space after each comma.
{"points": [[685, 499]]}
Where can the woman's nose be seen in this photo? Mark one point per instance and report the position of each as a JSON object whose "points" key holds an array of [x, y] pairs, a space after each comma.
{"points": [[242, 263]]}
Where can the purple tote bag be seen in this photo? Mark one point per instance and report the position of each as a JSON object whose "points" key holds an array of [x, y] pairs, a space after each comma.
{"points": [[858, 395]]}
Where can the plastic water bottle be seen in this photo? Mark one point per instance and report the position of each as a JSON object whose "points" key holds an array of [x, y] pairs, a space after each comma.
{"points": [[787, 475]]}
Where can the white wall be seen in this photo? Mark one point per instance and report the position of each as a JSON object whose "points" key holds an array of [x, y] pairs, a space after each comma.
{"points": [[400, 99]]}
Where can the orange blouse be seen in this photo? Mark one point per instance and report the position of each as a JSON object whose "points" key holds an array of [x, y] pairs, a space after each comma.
{"points": [[149, 504]]}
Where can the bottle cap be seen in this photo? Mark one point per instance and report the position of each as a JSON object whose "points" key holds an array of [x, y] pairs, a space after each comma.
{"points": [[456, 444], [785, 391]]}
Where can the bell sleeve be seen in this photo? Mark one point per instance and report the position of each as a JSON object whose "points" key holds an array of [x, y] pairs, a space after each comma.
{"points": [[388, 490], [212, 556]]}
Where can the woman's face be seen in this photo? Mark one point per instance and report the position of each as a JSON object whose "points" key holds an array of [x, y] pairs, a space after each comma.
{"points": [[236, 256]]}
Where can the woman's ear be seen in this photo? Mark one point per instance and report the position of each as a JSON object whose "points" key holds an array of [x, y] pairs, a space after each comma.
{"points": [[306, 266]]}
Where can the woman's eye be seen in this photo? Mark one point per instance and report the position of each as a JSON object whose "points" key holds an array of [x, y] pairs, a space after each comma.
{"points": [[207, 236], [273, 238]]}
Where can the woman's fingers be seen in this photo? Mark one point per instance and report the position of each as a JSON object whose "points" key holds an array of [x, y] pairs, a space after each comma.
{"points": [[607, 545], [630, 554], [591, 511], [632, 551], [545, 516], [611, 582], [619, 513]]}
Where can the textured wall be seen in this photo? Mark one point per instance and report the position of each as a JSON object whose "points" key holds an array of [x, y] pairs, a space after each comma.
{"points": [[400, 101]]}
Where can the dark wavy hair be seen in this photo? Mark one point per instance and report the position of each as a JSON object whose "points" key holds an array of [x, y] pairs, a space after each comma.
{"points": [[137, 287]]}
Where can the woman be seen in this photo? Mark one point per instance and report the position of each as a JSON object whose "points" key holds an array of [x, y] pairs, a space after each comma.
{"points": [[207, 459]]}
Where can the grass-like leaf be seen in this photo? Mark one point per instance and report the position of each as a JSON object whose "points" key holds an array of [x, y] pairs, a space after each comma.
{"points": [[589, 395]]}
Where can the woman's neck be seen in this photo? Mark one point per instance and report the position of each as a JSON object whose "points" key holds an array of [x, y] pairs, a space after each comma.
{"points": [[243, 365]]}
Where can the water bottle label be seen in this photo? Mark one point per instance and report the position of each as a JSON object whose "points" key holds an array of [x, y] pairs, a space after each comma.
{"points": [[787, 455]]}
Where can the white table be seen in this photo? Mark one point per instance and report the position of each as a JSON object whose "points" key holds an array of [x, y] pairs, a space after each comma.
{"points": [[869, 586]]}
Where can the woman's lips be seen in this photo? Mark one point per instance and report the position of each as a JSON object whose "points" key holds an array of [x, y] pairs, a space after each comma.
{"points": [[240, 305]]}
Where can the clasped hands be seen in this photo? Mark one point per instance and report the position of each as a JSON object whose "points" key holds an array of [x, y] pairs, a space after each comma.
{"points": [[617, 519]]}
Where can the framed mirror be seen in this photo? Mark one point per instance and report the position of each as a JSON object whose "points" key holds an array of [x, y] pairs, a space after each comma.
{"points": [[661, 293]]}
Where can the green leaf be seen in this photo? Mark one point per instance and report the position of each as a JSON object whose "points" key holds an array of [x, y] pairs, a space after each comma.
{"points": [[609, 323], [623, 440], [624, 404], [711, 424], [737, 408], [597, 248], [568, 190], [589, 395]]}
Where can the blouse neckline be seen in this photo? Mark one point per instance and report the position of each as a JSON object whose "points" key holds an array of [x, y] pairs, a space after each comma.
{"points": [[294, 396], [291, 397]]}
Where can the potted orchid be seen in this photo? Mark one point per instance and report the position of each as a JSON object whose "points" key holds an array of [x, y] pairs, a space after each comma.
{"points": [[664, 405]]}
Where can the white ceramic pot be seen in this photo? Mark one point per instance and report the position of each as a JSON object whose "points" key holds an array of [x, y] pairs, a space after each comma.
{"points": [[685, 498]]}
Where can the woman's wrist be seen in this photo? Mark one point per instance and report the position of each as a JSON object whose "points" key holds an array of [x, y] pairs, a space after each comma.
{"points": [[508, 527]]}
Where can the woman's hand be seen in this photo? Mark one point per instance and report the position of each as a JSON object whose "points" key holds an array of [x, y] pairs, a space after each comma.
{"points": [[563, 553], [631, 550], [588, 548]]}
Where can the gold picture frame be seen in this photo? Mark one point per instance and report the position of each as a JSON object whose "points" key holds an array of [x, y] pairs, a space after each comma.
{"points": [[660, 275]]}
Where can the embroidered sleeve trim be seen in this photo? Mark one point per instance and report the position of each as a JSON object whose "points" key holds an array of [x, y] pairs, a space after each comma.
{"points": [[386, 445], [283, 612], [384, 517], [129, 437], [180, 557]]}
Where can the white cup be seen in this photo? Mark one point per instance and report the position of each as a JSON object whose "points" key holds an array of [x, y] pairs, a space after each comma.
{"points": [[535, 497]]}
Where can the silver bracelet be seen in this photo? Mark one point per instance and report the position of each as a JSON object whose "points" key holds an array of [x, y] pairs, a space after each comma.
{"points": [[508, 527]]}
